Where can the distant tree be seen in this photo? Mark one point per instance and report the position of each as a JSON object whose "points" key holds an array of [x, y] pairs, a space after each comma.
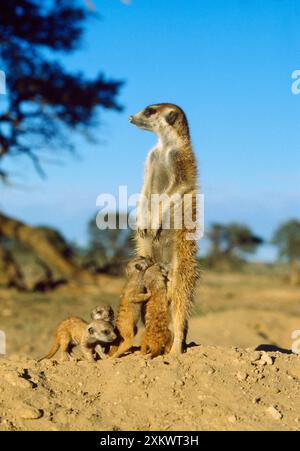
{"points": [[45, 104], [46, 244], [231, 242], [287, 240], [109, 249], [44, 101], [241, 240], [217, 236]]}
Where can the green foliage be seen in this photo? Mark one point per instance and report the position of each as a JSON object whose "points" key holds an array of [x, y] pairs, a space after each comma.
{"points": [[231, 243], [44, 102], [241, 239], [287, 239]]}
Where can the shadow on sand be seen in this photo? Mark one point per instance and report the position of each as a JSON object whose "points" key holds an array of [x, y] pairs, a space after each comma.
{"points": [[273, 348]]}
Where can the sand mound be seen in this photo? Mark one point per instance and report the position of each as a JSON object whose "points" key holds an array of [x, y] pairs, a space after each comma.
{"points": [[206, 388]]}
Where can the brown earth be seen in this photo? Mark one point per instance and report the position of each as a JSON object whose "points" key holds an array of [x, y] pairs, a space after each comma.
{"points": [[221, 384]]}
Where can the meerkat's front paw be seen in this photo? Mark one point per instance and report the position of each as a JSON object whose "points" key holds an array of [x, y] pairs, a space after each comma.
{"points": [[165, 270], [142, 232], [155, 232]]}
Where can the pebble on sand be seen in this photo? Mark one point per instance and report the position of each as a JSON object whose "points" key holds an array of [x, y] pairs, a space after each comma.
{"points": [[274, 412], [29, 413], [232, 419], [265, 359], [242, 376]]}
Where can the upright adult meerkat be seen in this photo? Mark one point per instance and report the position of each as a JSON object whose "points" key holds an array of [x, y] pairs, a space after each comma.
{"points": [[170, 170], [76, 331]]}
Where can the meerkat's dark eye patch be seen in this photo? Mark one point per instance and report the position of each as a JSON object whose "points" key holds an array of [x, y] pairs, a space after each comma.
{"points": [[106, 332], [91, 330], [149, 111], [172, 117]]}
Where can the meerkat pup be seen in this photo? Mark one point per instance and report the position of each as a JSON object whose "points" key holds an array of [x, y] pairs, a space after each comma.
{"points": [[171, 175], [130, 305], [76, 331], [157, 337], [104, 312]]}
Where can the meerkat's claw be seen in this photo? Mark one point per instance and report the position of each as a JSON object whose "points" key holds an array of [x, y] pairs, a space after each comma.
{"points": [[157, 234]]}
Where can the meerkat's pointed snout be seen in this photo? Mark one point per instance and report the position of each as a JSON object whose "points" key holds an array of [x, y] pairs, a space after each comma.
{"points": [[134, 119]]}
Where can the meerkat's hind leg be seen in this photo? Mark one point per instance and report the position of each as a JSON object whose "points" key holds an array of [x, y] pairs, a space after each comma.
{"points": [[144, 344], [181, 293], [156, 349], [181, 303], [64, 349], [124, 346], [169, 344], [180, 329]]}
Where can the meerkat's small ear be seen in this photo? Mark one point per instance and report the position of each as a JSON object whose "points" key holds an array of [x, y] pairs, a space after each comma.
{"points": [[138, 267], [172, 117]]}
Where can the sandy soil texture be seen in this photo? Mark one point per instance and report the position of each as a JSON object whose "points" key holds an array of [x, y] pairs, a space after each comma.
{"points": [[241, 376], [206, 388]]}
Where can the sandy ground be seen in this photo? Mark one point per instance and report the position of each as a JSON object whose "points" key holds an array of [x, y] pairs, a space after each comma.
{"points": [[241, 376]]}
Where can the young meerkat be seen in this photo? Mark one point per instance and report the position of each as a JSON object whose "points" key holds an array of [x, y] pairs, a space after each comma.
{"points": [[104, 312], [76, 331], [157, 337], [130, 305], [169, 232]]}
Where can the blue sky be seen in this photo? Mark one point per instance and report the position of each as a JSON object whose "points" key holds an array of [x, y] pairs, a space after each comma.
{"points": [[228, 64]]}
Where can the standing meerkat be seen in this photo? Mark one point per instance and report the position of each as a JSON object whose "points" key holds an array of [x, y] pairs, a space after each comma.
{"points": [[130, 306], [157, 337], [76, 331], [170, 172]]}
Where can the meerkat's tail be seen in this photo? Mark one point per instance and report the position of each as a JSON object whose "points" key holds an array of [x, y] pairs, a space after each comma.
{"points": [[53, 350]]}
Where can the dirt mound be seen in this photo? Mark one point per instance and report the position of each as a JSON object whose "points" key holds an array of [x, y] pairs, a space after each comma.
{"points": [[206, 388]]}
